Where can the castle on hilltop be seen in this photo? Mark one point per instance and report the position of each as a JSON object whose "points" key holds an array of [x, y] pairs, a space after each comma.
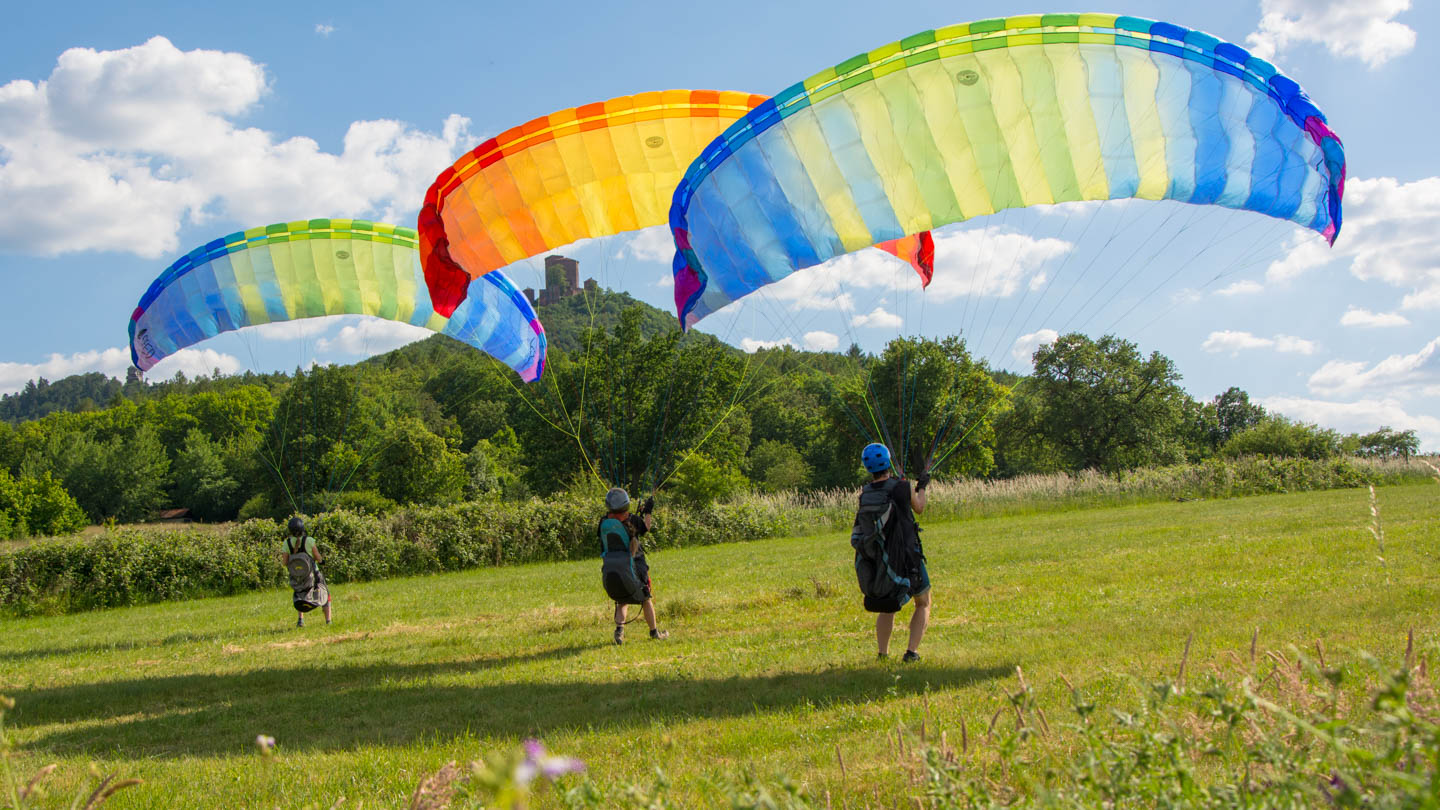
{"points": [[562, 280]]}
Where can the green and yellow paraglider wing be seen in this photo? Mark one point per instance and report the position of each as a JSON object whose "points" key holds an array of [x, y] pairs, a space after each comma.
{"points": [[961, 122], [320, 267]]}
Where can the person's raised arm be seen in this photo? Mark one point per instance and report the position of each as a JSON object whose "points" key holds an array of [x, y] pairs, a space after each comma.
{"points": [[917, 493]]}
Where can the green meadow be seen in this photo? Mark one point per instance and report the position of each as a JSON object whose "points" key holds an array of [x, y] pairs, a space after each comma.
{"points": [[770, 668]]}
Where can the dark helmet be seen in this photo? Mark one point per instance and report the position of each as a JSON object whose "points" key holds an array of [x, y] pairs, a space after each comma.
{"points": [[617, 499], [876, 457], [297, 526]]}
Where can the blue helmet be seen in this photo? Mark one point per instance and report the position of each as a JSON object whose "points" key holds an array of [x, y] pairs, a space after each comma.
{"points": [[876, 457]]}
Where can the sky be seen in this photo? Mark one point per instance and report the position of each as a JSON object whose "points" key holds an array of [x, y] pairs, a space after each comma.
{"points": [[131, 133]]}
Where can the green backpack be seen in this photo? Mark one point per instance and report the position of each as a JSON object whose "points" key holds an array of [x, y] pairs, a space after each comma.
{"points": [[617, 568]]}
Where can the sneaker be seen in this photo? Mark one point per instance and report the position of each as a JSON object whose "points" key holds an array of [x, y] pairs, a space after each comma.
{"points": [[619, 634], [881, 656], [300, 622], [911, 657], [659, 635]]}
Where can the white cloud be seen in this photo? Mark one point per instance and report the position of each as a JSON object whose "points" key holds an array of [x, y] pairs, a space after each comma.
{"points": [[298, 329], [1241, 288], [879, 318], [372, 336], [649, 245], [751, 345], [1396, 374], [1361, 416], [820, 341], [1024, 348], [1391, 234], [986, 262], [116, 150], [194, 362], [1364, 318], [113, 362], [1235, 342], [1363, 30], [324, 29]]}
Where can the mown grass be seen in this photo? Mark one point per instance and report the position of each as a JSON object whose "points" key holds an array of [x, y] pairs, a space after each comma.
{"points": [[770, 666]]}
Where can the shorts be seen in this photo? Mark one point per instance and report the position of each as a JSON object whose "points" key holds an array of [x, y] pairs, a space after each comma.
{"points": [[920, 580]]}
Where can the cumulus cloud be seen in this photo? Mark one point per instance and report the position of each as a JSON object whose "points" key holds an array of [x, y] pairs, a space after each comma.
{"points": [[752, 345], [1366, 31], [649, 245], [988, 262], [113, 362], [1241, 288], [820, 341], [1391, 235], [372, 336], [817, 341], [879, 318], [1236, 342], [134, 143], [1361, 416], [324, 29], [1024, 349], [1364, 318], [298, 329], [1395, 375]]}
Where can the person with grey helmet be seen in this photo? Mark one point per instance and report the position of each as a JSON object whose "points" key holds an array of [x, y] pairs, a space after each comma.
{"points": [[624, 571], [301, 557], [907, 501]]}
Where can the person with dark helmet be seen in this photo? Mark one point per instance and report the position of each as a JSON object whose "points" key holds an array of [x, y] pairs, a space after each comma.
{"points": [[907, 503], [624, 571], [301, 557]]}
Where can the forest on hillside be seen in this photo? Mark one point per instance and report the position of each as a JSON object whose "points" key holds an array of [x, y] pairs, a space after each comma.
{"points": [[626, 400]]}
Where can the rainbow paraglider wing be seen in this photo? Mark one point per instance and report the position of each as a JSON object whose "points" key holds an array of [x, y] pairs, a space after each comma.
{"points": [[965, 121], [321, 267], [585, 172]]}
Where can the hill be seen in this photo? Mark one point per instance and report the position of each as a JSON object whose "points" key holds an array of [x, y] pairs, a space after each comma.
{"points": [[770, 667]]}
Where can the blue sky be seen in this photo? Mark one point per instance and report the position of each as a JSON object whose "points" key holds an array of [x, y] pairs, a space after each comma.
{"points": [[120, 151]]}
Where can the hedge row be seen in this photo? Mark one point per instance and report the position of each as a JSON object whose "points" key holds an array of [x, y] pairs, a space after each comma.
{"points": [[133, 567]]}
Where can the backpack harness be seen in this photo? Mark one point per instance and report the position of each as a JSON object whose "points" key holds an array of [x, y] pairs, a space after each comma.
{"points": [[881, 550], [305, 578], [617, 568]]}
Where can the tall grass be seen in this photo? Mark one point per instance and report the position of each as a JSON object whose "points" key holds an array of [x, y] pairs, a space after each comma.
{"points": [[833, 509]]}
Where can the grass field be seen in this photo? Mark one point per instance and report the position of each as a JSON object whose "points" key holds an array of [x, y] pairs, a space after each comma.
{"points": [[770, 667]]}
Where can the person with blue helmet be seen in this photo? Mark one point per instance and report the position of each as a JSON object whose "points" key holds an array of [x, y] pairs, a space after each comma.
{"points": [[908, 501]]}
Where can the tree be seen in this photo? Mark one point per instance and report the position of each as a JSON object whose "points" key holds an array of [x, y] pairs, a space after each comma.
{"points": [[701, 480], [1277, 436], [929, 401], [414, 465], [1235, 414], [1389, 443], [203, 484], [775, 466], [1104, 406]]}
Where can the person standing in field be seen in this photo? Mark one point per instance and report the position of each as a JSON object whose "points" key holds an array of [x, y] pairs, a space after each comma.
{"points": [[624, 571], [891, 505], [301, 557]]}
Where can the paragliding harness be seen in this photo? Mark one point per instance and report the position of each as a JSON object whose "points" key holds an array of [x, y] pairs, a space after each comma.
{"points": [[305, 578], [623, 583], [881, 550]]}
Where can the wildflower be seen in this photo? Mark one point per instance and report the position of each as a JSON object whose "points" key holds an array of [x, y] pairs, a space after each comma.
{"points": [[539, 763], [265, 743]]}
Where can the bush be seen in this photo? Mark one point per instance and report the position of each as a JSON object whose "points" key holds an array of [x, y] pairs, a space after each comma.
{"points": [[257, 507], [129, 567], [36, 506]]}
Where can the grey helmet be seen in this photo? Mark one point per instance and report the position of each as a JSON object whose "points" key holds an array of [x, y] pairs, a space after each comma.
{"points": [[296, 527], [617, 500]]}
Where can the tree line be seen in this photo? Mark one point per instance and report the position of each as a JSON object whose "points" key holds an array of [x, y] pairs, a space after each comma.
{"points": [[626, 400]]}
